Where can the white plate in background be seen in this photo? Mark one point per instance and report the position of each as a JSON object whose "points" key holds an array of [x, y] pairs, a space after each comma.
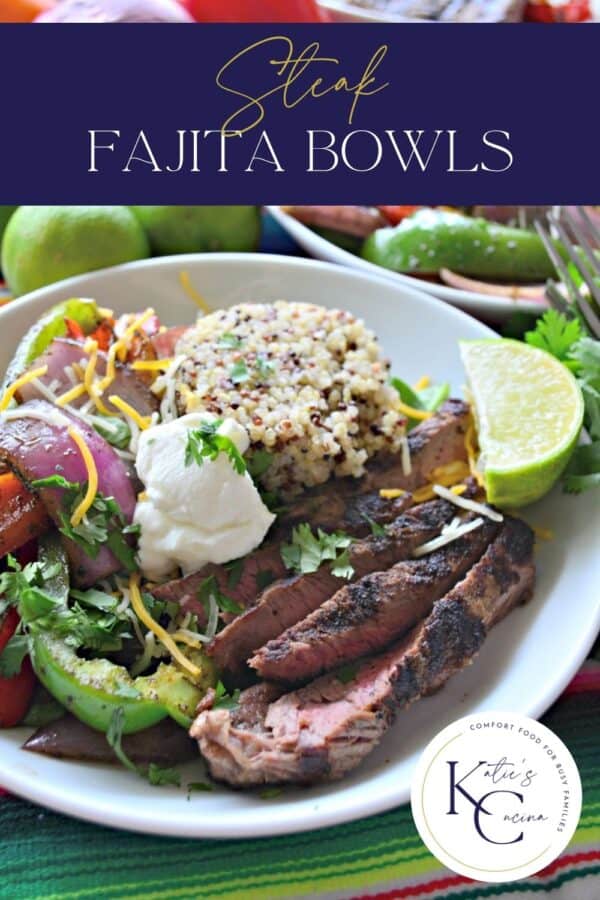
{"points": [[496, 309]]}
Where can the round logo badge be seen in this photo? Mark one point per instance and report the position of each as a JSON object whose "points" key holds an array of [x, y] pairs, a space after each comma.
{"points": [[496, 796]]}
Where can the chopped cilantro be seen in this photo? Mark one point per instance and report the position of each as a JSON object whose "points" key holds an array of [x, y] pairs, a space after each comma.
{"points": [[239, 372], [210, 588], [13, 654], [565, 339], [223, 700], [115, 431], [377, 530], [307, 552], [80, 624], [156, 775], [259, 463], [229, 341], [427, 399], [205, 443], [264, 578], [103, 524], [159, 776], [270, 793], [347, 673], [557, 335], [202, 786], [265, 367], [235, 570]]}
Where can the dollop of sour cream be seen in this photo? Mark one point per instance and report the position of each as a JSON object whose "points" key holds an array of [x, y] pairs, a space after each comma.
{"points": [[191, 515]]}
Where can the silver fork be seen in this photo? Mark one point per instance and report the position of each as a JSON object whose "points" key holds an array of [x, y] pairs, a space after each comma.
{"points": [[578, 249]]}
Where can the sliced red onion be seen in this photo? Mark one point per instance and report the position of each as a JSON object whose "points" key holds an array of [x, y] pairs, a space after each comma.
{"points": [[60, 356], [35, 443], [510, 291]]}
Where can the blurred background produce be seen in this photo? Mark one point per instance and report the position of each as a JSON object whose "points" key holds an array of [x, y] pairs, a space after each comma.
{"points": [[199, 229], [43, 244], [181, 11]]}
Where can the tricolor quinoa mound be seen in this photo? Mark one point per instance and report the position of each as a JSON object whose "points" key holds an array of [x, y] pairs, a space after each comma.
{"points": [[308, 383]]}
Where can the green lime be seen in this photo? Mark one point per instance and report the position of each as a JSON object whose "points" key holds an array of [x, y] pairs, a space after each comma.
{"points": [[200, 229], [43, 244], [5, 214], [528, 411]]}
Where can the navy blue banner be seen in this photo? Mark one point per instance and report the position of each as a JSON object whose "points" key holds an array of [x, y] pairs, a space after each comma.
{"points": [[311, 114]]}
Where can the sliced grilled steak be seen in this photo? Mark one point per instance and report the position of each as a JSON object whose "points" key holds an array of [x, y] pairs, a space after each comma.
{"points": [[325, 729], [435, 442], [289, 600], [368, 615], [245, 581], [343, 504]]}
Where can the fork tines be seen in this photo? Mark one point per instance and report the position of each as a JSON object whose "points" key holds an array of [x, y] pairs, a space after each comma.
{"points": [[571, 232]]}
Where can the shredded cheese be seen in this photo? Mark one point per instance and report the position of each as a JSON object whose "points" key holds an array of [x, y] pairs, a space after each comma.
{"points": [[151, 365], [93, 387], [422, 383], [186, 284], [447, 536], [458, 489], [119, 349], [74, 394], [18, 383], [92, 476], [189, 638], [470, 443], [464, 503], [391, 493], [142, 422], [406, 461], [450, 474], [413, 413], [163, 636], [543, 534], [423, 493]]}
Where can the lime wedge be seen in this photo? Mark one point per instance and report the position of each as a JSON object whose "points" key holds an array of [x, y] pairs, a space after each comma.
{"points": [[528, 412]]}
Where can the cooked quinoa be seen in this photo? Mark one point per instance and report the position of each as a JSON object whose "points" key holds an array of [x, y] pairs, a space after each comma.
{"points": [[308, 383]]}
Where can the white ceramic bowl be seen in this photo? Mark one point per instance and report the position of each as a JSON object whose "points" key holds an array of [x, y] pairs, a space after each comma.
{"points": [[526, 663]]}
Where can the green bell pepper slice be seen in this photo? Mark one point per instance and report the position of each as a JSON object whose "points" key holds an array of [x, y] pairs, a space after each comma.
{"points": [[93, 689], [49, 326], [431, 240]]}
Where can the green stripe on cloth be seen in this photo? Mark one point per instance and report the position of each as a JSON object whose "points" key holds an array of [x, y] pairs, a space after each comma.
{"points": [[45, 855]]}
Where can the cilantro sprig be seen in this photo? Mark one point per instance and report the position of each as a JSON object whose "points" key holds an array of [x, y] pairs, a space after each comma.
{"points": [[567, 340], [210, 588], [204, 442], [223, 700], [557, 335], [156, 775], [307, 552], [103, 524], [89, 619], [427, 399]]}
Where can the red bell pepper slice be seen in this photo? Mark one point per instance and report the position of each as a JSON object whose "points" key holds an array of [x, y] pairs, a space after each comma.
{"points": [[15, 692]]}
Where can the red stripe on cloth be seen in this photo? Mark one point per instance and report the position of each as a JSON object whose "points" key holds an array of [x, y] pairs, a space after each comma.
{"points": [[588, 679], [418, 890], [440, 884], [570, 859]]}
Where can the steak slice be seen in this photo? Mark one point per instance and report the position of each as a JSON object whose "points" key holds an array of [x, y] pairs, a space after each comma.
{"points": [[433, 443], [369, 614], [343, 504], [289, 600], [322, 731], [243, 582]]}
